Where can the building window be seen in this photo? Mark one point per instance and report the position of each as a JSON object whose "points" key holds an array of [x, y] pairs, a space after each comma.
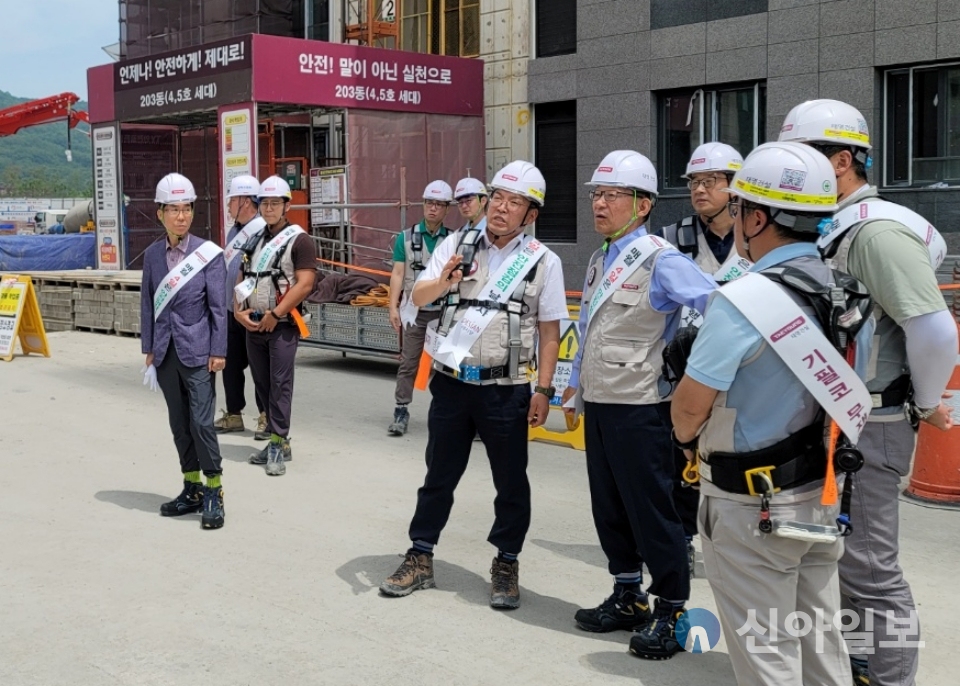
{"points": [[922, 132], [735, 116], [556, 27], [441, 27], [555, 141]]}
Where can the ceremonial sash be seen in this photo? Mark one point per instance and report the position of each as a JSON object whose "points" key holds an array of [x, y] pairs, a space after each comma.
{"points": [[804, 348], [180, 276], [457, 344], [245, 288], [231, 252]]}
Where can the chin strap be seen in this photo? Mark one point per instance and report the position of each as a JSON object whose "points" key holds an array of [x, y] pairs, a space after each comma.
{"points": [[711, 217]]}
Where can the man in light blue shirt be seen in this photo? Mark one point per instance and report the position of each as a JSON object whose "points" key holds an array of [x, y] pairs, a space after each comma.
{"points": [[747, 414], [635, 287]]}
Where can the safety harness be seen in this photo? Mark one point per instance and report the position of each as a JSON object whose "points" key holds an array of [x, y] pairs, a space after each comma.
{"points": [[841, 307], [274, 272], [467, 248], [683, 235]]}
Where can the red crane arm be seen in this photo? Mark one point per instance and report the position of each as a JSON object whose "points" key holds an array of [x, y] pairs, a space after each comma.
{"points": [[42, 111]]}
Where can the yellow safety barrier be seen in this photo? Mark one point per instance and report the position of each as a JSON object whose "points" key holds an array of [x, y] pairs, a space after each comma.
{"points": [[569, 344]]}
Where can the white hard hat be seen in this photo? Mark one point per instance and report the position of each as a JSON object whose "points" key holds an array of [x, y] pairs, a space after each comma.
{"points": [[275, 187], [627, 169], [439, 191], [713, 157], [787, 176], [826, 121], [469, 186], [175, 188], [522, 178], [244, 185]]}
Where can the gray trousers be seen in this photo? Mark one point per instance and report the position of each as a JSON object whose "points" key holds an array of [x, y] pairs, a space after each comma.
{"points": [[871, 580], [191, 396], [410, 350], [752, 574], [272, 356]]}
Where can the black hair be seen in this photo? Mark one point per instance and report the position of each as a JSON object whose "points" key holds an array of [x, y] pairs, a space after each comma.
{"points": [[859, 167], [785, 232]]}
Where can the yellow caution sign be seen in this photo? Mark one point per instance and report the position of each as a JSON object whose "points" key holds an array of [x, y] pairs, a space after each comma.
{"points": [[20, 318], [569, 341]]}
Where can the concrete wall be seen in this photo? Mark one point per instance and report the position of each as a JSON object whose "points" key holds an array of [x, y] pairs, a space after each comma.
{"points": [[803, 49], [505, 49]]}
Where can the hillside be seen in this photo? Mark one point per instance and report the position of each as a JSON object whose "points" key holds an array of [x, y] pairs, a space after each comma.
{"points": [[32, 162]]}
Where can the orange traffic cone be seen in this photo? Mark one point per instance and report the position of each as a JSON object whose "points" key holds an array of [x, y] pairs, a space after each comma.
{"points": [[936, 466]]}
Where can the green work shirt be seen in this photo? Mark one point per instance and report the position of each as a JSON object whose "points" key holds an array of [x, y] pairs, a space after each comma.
{"points": [[429, 242]]}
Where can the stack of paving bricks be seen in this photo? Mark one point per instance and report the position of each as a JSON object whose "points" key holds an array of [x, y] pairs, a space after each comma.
{"points": [[56, 306], [126, 312], [93, 307]]}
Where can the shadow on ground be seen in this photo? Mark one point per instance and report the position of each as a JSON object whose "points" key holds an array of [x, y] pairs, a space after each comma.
{"points": [[685, 668], [364, 575], [145, 502], [590, 554]]}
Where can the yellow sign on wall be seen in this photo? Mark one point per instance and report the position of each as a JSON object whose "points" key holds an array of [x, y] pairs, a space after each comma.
{"points": [[20, 318]]}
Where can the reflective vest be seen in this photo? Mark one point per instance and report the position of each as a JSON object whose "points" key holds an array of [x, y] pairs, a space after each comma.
{"points": [[622, 351], [417, 255]]}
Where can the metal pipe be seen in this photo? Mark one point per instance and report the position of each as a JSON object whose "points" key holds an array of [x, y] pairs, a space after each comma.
{"points": [[345, 206]]}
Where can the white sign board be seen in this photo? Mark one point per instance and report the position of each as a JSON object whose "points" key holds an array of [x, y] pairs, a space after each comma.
{"points": [[108, 209], [327, 186], [238, 150]]}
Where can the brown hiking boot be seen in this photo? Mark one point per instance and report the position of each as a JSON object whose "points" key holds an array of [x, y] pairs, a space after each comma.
{"points": [[228, 422], [261, 434], [414, 573], [505, 585]]}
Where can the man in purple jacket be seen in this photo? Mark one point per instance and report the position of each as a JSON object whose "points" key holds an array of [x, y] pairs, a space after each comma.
{"points": [[183, 315]]}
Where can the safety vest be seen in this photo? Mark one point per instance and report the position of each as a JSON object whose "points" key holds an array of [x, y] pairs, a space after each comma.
{"points": [[515, 320], [623, 349], [417, 256], [279, 277], [687, 236], [888, 370]]}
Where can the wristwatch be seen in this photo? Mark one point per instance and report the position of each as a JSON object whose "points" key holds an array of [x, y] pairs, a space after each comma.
{"points": [[548, 391], [918, 414]]}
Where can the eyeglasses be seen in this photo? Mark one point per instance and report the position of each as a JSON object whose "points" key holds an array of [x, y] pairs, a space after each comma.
{"points": [[707, 182], [733, 208], [514, 204], [434, 203], [177, 211], [609, 197], [272, 202], [467, 199]]}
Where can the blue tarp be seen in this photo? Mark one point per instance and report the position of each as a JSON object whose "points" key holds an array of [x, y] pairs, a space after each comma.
{"points": [[48, 253]]}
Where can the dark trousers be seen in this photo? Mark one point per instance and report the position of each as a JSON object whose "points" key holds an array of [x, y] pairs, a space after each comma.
{"points": [[272, 356], [234, 373], [458, 412], [685, 498], [632, 473], [191, 396]]}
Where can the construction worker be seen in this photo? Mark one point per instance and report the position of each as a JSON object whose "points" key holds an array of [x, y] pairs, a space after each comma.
{"points": [[634, 289], [247, 222], [472, 198], [503, 290], [754, 408], [894, 252], [411, 252], [183, 314], [279, 270], [707, 237]]}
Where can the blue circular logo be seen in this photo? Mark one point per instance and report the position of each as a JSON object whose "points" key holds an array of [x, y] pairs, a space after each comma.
{"points": [[698, 630]]}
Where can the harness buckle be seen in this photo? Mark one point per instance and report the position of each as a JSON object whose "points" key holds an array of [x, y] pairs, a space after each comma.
{"points": [[515, 343], [515, 307], [766, 475]]}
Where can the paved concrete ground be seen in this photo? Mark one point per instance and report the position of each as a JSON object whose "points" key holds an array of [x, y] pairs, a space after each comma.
{"points": [[96, 588]]}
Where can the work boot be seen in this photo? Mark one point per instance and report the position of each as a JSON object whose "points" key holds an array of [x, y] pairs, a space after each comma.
{"points": [[658, 641], [212, 517], [623, 610], [861, 672], [261, 457], [401, 417], [229, 422], [261, 434], [505, 584], [275, 465], [189, 501], [692, 558], [414, 573]]}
